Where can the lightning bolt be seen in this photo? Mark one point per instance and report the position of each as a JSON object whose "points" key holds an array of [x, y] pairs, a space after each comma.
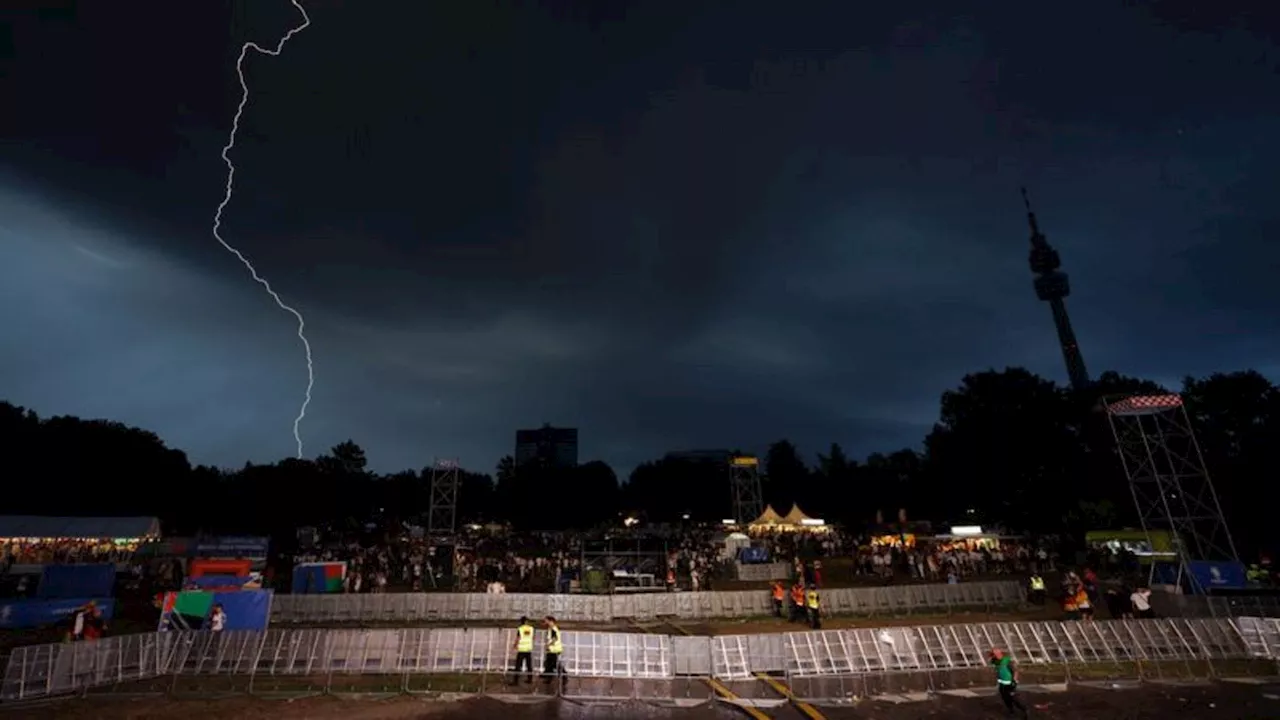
{"points": [[226, 200]]}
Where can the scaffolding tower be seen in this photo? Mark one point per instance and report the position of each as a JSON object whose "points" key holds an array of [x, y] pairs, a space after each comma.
{"points": [[1171, 487], [442, 507], [744, 487]]}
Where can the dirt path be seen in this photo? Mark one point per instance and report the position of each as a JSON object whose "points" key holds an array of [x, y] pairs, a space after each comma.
{"points": [[1210, 702]]}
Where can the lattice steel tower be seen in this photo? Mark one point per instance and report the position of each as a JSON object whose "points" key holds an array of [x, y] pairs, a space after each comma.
{"points": [[1171, 487], [442, 507], [744, 485], [1053, 287]]}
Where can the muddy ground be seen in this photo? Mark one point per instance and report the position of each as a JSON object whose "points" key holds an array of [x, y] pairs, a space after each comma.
{"points": [[1224, 701]]}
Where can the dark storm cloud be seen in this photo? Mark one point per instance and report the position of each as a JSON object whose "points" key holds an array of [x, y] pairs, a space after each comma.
{"points": [[682, 230]]}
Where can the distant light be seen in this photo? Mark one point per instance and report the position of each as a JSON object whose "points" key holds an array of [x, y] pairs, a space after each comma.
{"points": [[815, 522], [729, 522], [628, 522], [961, 530], [685, 516]]}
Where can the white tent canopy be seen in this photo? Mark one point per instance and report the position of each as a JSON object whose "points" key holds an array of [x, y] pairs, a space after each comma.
{"points": [[768, 517], [96, 528], [796, 516]]}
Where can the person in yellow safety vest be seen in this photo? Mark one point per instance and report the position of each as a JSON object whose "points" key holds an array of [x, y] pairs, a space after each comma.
{"points": [[1257, 575], [551, 666], [813, 604], [1037, 589], [524, 651]]}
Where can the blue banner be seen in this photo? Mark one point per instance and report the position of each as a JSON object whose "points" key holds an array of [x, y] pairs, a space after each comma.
{"points": [[17, 614], [1214, 575], [246, 610], [217, 581], [232, 547], [77, 581]]}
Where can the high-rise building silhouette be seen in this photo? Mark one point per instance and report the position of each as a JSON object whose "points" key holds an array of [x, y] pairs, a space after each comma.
{"points": [[1053, 287], [547, 446]]}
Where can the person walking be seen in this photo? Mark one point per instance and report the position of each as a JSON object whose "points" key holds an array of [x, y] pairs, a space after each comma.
{"points": [[1007, 682], [551, 665], [524, 651]]}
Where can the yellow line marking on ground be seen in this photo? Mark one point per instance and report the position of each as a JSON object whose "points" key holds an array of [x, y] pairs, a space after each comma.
{"points": [[714, 684], [785, 692], [729, 695]]}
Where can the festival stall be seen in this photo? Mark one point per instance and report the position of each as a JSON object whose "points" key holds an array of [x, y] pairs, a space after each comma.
{"points": [[1147, 547], [31, 541], [971, 538], [794, 521], [800, 522], [768, 520]]}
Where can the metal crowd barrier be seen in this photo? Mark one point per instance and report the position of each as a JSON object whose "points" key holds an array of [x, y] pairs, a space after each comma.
{"points": [[1261, 635], [1220, 606], [761, 572], [425, 607], [810, 661], [64, 668]]}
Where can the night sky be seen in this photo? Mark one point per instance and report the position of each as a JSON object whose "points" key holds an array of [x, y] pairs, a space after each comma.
{"points": [[670, 227]]}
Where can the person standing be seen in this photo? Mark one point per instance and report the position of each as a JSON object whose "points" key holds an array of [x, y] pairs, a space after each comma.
{"points": [[217, 619], [778, 594], [1141, 602], [1037, 589], [524, 651], [551, 666], [1007, 682], [813, 604]]}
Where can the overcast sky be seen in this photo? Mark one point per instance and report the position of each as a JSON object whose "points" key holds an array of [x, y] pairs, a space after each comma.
{"points": [[671, 228]]}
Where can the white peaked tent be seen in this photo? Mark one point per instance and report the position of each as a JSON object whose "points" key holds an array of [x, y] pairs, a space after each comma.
{"points": [[796, 516], [769, 517]]}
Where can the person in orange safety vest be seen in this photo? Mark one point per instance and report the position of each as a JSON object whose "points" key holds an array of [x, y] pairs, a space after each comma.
{"points": [[797, 603], [778, 594]]}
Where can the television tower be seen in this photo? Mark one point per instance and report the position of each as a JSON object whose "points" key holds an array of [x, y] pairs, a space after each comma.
{"points": [[1053, 287]]}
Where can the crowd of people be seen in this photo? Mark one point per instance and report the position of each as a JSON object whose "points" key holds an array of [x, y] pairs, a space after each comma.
{"points": [[685, 558], [16, 551]]}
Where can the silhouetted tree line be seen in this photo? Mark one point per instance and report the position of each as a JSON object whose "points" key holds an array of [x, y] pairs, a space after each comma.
{"points": [[1008, 447]]}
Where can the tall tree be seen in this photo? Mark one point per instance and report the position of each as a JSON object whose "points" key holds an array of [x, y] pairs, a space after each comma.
{"points": [[1002, 439], [787, 477], [1237, 421], [835, 486]]}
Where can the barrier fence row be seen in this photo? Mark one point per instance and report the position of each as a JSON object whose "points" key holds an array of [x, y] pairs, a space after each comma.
{"points": [[593, 659], [759, 572], [1223, 606], [427, 607]]}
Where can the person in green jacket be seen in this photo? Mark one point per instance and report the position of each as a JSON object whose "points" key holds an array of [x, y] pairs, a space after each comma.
{"points": [[1007, 682]]}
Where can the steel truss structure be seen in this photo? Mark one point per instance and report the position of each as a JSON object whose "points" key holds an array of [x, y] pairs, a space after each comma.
{"points": [[1167, 476], [745, 489], [819, 665], [442, 508]]}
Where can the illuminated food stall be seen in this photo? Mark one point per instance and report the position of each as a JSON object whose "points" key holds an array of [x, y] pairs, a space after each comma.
{"points": [[971, 538], [29, 540]]}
